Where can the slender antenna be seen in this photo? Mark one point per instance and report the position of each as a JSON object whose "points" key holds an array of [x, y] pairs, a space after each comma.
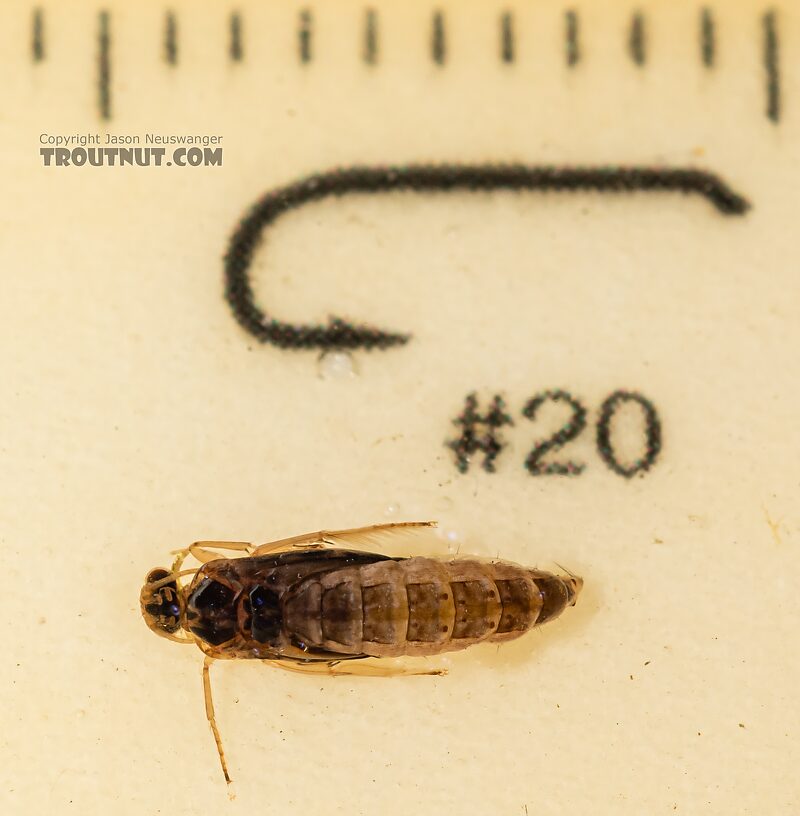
{"points": [[168, 579], [569, 572], [212, 717]]}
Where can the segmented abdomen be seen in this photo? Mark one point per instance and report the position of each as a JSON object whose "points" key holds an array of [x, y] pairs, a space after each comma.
{"points": [[418, 606]]}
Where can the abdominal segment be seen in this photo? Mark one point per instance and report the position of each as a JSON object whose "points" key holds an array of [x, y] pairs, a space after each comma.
{"points": [[416, 606]]}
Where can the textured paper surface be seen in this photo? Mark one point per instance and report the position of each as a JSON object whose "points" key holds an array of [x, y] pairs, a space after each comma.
{"points": [[137, 415]]}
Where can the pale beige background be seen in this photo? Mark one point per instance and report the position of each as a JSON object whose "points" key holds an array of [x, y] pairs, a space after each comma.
{"points": [[138, 417]]}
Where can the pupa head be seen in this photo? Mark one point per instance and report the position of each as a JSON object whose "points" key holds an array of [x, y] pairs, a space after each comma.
{"points": [[162, 604]]}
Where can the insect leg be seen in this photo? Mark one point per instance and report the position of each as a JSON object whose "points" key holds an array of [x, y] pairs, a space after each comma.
{"points": [[211, 717], [335, 669], [374, 535], [203, 555], [373, 670], [288, 543], [356, 536], [240, 546]]}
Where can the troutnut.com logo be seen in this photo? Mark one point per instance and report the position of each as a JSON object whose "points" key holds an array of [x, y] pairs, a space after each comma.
{"points": [[115, 150]]}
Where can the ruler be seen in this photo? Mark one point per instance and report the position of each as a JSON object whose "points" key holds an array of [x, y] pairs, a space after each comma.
{"points": [[184, 36], [526, 268]]}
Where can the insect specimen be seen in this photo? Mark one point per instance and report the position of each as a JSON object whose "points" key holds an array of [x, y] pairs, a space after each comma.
{"points": [[310, 604]]}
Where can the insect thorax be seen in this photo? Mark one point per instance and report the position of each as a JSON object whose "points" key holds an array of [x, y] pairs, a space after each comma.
{"points": [[217, 612]]}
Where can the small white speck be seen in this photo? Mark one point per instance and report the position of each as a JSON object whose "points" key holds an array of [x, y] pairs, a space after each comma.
{"points": [[452, 539], [336, 365]]}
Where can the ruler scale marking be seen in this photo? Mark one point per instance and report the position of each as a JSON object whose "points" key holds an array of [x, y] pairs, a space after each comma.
{"points": [[771, 67], [104, 65], [636, 45], [236, 50], [171, 38], [438, 44], [637, 39], [37, 35], [571, 35], [507, 37], [708, 45], [305, 34], [371, 37]]}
